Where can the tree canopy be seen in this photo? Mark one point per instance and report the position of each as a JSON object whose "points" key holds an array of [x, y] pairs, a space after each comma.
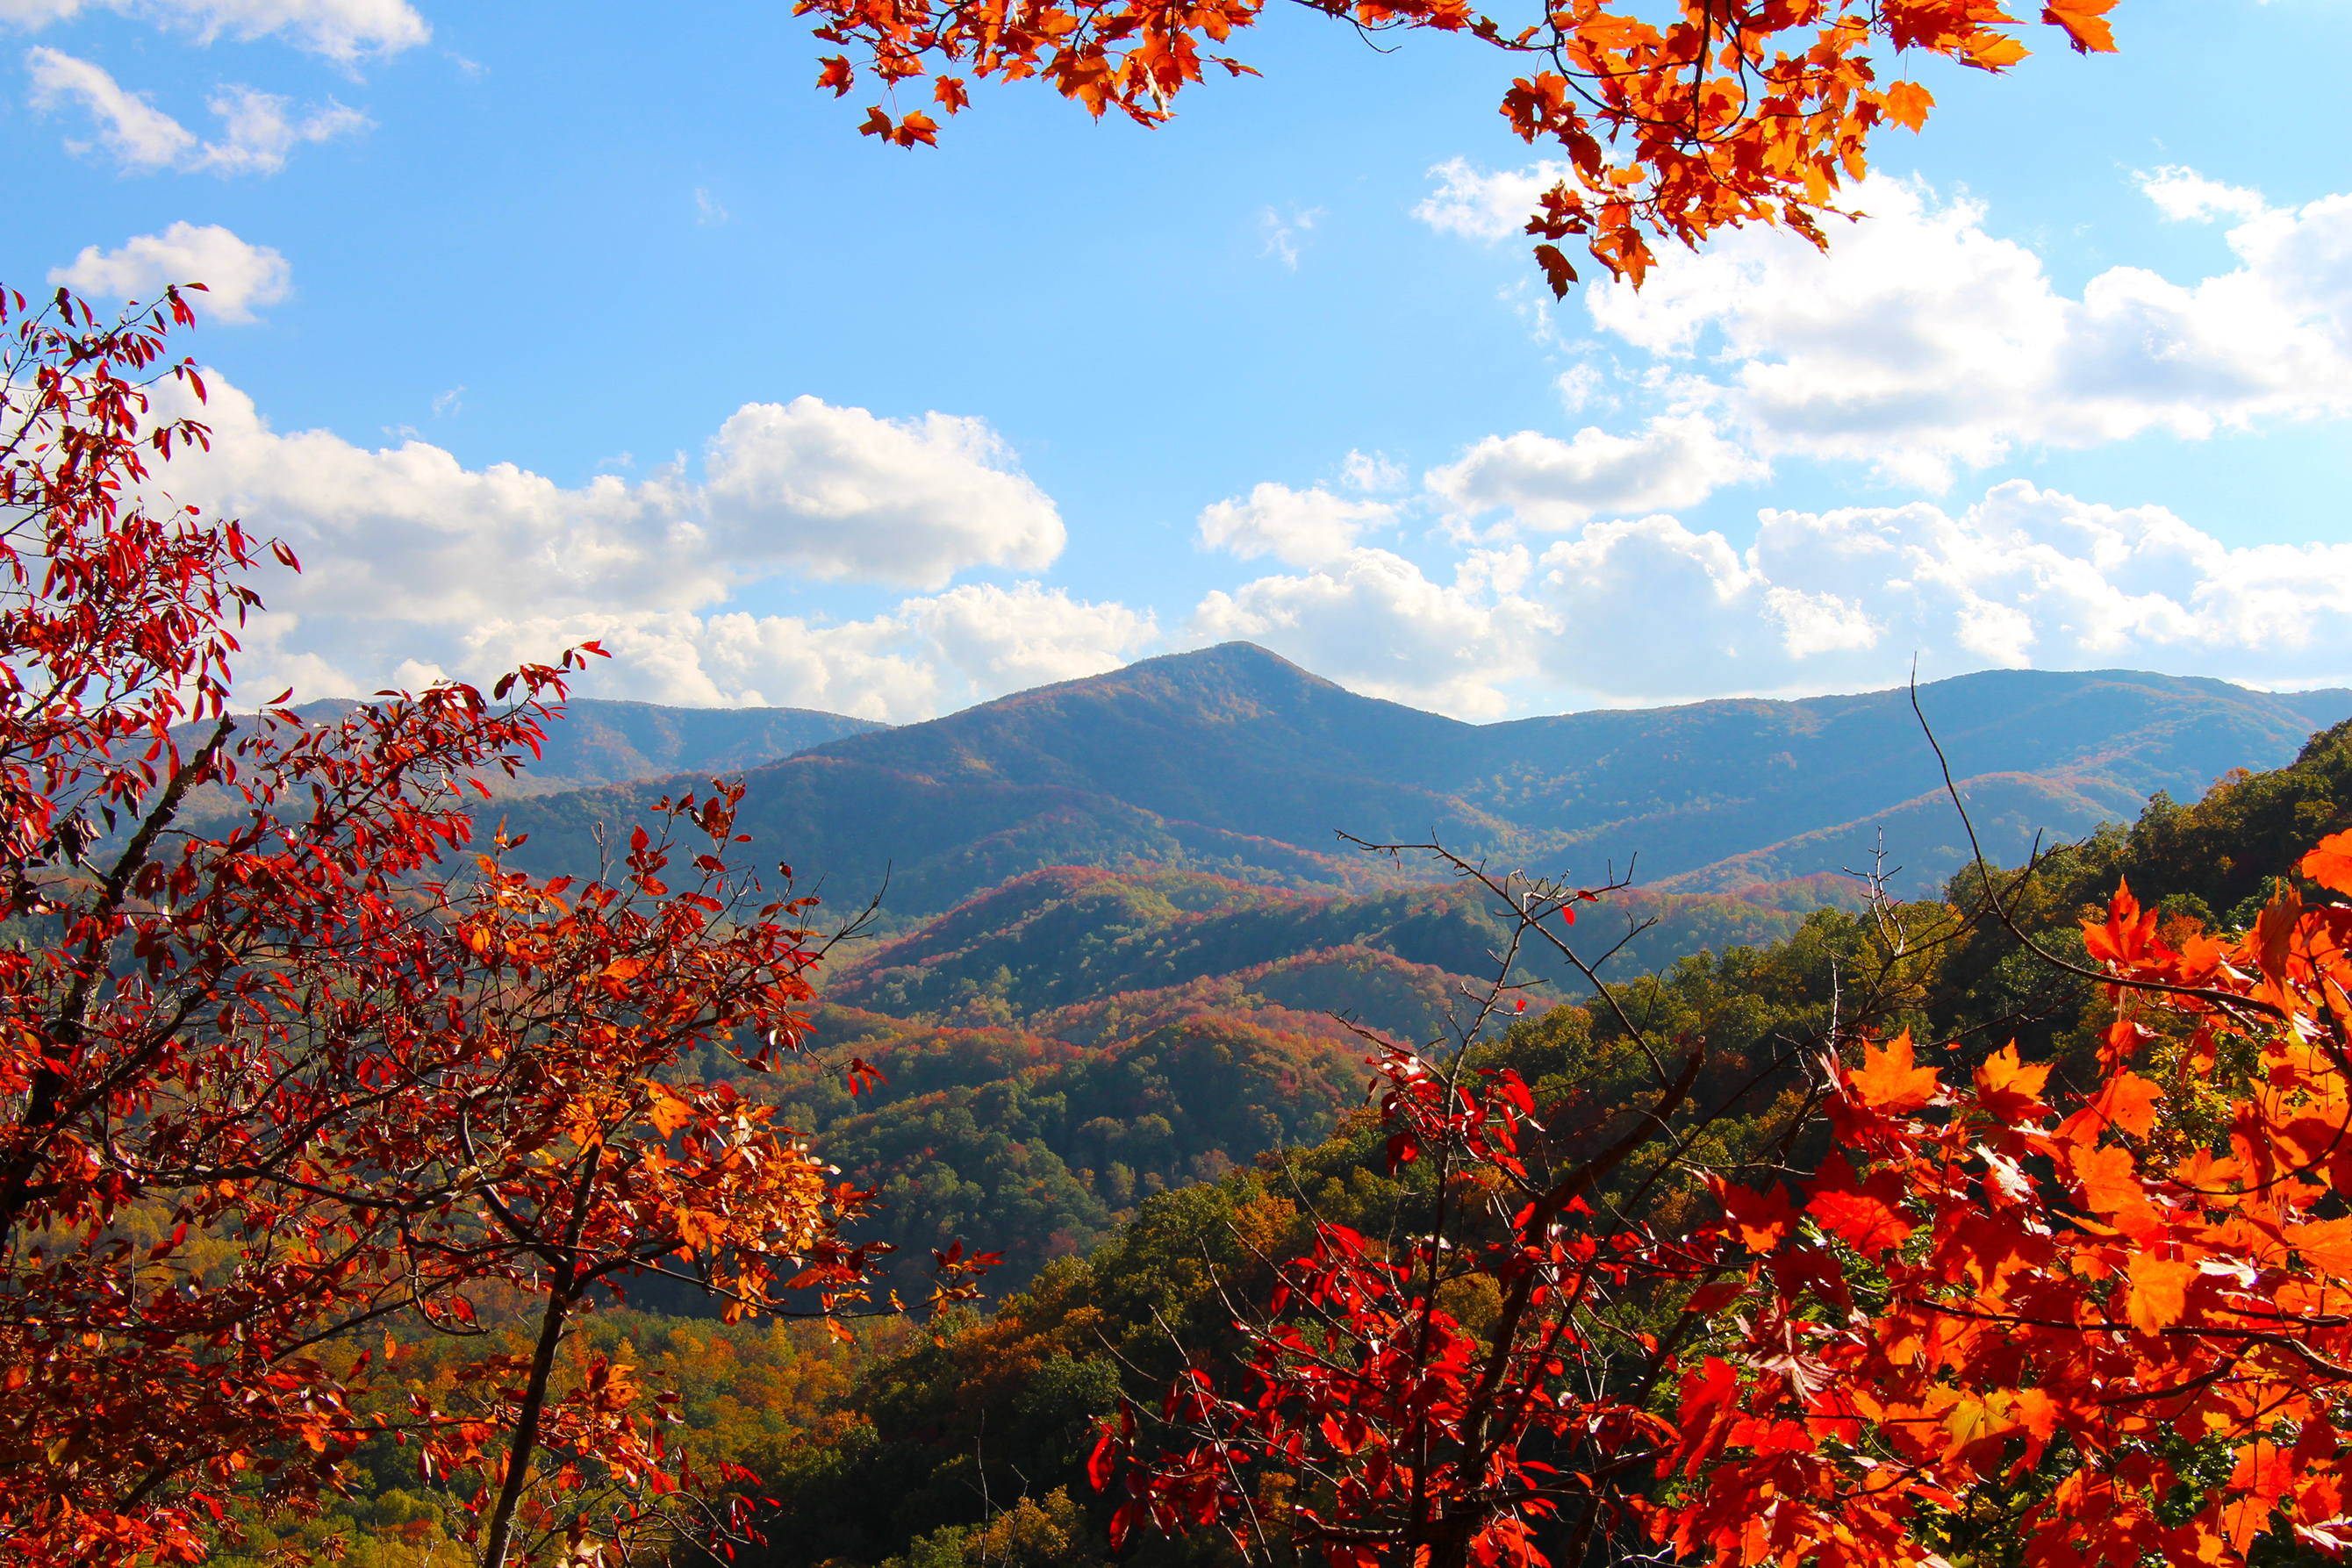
{"points": [[1731, 112]]}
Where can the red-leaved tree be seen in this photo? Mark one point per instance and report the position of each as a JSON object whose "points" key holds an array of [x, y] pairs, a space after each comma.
{"points": [[285, 1076]]}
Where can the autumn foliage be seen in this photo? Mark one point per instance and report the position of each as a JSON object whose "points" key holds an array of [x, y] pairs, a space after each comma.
{"points": [[2110, 1331], [1731, 112], [2127, 1322], [279, 1097]]}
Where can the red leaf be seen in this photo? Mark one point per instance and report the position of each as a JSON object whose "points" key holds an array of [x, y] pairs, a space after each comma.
{"points": [[1104, 1459], [1763, 1218]]}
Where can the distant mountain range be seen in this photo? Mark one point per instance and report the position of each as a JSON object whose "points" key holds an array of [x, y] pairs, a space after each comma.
{"points": [[1232, 761], [1127, 952]]}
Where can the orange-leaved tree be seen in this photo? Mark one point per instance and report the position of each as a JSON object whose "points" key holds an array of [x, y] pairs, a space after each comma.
{"points": [[1987, 1328], [2109, 1334], [1713, 114], [284, 1076]]}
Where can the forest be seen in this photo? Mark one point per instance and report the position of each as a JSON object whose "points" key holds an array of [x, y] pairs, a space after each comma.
{"points": [[968, 1438]]}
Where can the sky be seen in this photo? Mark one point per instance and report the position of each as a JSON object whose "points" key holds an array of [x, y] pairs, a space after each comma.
{"points": [[531, 323]]}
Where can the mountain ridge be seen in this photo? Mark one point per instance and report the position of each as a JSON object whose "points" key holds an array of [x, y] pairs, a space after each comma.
{"points": [[1233, 761]]}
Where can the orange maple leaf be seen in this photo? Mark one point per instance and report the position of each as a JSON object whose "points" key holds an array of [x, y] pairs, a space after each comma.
{"points": [[2330, 864], [1862, 1214], [1907, 104], [2128, 1101], [668, 1111], [2086, 22], [2158, 1292], [1763, 1218], [1888, 1080], [2010, 1088]]}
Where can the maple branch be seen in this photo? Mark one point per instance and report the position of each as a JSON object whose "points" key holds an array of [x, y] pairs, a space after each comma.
{"points": [[1547, 1208]]}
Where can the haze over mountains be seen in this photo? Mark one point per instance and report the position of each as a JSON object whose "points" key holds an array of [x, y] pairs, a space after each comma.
{"points": [[1231, 761]]}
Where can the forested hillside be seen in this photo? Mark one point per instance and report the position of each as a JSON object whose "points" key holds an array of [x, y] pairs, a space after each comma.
{"points": [[969, 1445], [1007, 1393], [1234, 762]]}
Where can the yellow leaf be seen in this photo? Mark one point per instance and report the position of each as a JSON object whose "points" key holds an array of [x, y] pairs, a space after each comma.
{"points": [[668, 1111]]}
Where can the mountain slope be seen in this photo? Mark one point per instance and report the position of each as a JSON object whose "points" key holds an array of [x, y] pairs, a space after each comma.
{"points": [[1231, 760]]}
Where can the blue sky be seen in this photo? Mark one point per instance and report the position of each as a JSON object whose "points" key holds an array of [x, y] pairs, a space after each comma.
{"points": [[533, 323]]}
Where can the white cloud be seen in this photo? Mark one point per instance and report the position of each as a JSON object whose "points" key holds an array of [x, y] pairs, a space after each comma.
{"points": [[1678, 460], [707, 213], [1008, 640], [1282, 233], [1371, 620], [343, 30], [1303, 528], [1374, 473], [1647, 609], [1921, 343], [2026, 577], [140, 135], [1481, 206], [409, 556], [261, 131], [835, 492], [1579, 385], [2185, 197], [925, 655], [237, 277]]}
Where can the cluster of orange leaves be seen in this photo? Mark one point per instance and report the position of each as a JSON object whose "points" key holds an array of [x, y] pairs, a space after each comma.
{"points": [[1735, 113], [2136, 1328], [2114, 1333]]}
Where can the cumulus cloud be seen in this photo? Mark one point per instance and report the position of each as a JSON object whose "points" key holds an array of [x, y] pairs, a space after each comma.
{"points": [[835, 492], [1372, 620], [140, 135], [2184, 195], [1374, 472], [342, 30], [2026, 577], [237, 276], [1303, 528], [925, 655], [1678, 460], [1922, 344], [409, 555], [259, 127], [1647, 609], [262, 130]]}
